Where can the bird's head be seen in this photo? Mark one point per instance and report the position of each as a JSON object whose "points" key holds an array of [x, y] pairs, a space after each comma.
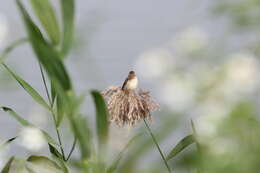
{"points": [[131, 75]]}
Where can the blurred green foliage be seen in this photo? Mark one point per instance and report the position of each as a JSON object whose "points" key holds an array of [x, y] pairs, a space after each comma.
{"points": [[243, 14], [232, 146]]}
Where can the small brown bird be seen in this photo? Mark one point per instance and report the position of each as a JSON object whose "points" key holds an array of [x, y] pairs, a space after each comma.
{"points": [[131, 82]]}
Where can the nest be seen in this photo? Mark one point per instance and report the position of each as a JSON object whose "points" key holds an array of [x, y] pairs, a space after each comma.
{"points": [[128, 106]]}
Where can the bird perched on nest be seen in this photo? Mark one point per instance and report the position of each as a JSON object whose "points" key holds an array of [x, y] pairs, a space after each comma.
{"points": [[126, 105], [131, 82]]}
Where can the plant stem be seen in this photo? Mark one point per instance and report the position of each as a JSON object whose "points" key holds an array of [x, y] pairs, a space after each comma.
{"points": [[59, 138], [45, 85], [157, 145], [197, 144], [53, 114], [10, 48], [72, 149]]}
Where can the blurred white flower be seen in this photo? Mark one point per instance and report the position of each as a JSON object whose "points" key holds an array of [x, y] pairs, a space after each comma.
{"points": [[243, 70], [222, 145], [190, 40], [31, 138], [178, 93], [242, 76], [206, 127], [154, 63], [210, 113], [3, 28]]}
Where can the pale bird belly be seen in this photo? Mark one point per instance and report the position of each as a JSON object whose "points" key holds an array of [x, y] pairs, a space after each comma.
{"points": [[132, 84]]}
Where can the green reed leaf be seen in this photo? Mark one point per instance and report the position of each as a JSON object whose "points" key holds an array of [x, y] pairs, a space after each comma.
{"points": [[15, 165], [28, 88], [101, 119], [7, 142], [63, 102], [53, 92], [22, 121], [82, 133], [72, 148], [11, 47], [195, 136], [116, 162], [145, 144], [25, 123], [54, 151], [185, 142], [44, 164], [58, 158], [157, 146], [8, 165], [46, 54], [49, 139], [61, 109], [46, 14], [62, 165], [30, 170], [68, 14]]}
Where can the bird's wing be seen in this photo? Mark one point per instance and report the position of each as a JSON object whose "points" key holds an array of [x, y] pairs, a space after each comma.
{"points": [[124, 84]]}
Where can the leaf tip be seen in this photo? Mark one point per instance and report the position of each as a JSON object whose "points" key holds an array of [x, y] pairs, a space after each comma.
{"points": [[6, 109]]}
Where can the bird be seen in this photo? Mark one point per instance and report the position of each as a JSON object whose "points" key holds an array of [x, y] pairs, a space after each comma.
{"points": [[131, 82]]}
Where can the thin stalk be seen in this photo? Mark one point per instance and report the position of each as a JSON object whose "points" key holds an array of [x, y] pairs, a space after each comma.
{"points": [[53, 114], [72, 149], [157, 145], [59, 137], [45, 85], [10, 48], [197, 144]]}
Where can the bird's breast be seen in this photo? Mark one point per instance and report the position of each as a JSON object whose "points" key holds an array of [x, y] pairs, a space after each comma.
{"points": [[132, 84]]}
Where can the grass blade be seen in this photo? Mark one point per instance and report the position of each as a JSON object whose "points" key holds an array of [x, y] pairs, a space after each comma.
{"points": [[115, 164], [46, 54], [72, 148], [60, 105], [144, 145], [22, 121], [53, 93], [55, 152], [83, 135], [101, 119], [198, 146], [157, 145], [58, 157], [62, 164], [28, 88], [11, 48], [25, 123], [51, 101], [68, 12], [7, 165], [46, 14], [44, 164], [185, 142], [15, 165], [30, 170], [195, 136], [49, 139], [7, 142]]}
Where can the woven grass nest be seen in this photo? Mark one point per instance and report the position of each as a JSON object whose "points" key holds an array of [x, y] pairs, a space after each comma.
{"points": [[128, 106]]}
